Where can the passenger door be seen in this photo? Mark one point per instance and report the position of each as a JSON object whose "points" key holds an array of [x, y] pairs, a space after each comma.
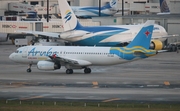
{"points": [[24, 53]]}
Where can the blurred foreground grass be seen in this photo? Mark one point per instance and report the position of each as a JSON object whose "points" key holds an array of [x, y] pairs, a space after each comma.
{"points": [[84, 106]]}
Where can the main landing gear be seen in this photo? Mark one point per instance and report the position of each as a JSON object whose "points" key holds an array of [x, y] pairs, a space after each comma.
{"points": [[86, 71], [29, 68], [69, 71]]}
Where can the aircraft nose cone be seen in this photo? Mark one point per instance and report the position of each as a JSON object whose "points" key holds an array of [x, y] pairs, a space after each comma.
{"points": [[11, 56]]}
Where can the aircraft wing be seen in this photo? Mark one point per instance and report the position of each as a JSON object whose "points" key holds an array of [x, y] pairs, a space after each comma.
{"points": [[128, 40], [167, 36], [50, 34], [75, 62], [63, 35]]}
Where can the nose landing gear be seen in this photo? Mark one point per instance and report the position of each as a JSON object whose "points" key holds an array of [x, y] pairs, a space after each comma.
{"points": [[29, 68]]}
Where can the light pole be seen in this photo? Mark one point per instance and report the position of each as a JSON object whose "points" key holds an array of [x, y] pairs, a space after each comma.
{"points": [[122, 7], [47, 10], [99, 7]]}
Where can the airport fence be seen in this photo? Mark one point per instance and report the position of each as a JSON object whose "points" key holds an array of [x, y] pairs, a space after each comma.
{"points": [[89, 104]]}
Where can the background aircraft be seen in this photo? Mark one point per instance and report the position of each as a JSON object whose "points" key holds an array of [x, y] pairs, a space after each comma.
{"points": [[117, 35], [89, 11], [75, 57]]}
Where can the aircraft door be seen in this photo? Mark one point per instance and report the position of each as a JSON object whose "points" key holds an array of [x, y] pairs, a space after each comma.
{"points": [[24, 53]]}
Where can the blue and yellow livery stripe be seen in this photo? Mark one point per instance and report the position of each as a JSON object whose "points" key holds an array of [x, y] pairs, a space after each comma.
{"points": [[131, 49], [130, 53]]}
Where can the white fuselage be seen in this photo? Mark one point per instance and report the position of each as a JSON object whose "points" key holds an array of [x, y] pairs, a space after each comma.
{"points": [[124, 36], [96, 56]]}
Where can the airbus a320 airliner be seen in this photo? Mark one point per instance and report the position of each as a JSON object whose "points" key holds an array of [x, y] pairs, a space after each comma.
{"points": [[78, 57]]}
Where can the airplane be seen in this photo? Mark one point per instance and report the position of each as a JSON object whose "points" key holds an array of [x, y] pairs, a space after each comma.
{"points": [[81, 57], [89, 11], [163, 8], [114, 35]]}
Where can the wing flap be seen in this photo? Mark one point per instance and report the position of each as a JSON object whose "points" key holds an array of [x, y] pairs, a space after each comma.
{"points": [[63, 35], [76, 62], [50, 34]]}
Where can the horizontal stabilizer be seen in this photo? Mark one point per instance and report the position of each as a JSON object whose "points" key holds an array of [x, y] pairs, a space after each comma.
{"points": [[160, 51], [138, 53]]}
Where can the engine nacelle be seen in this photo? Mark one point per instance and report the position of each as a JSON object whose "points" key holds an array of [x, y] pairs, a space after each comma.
{"points": [[3, 37], [156, 45], [48, 65]]}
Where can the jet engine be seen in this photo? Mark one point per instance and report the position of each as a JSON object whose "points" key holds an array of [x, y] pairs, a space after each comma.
{"points": [[156, 45], [3, 37], [48, 65]]}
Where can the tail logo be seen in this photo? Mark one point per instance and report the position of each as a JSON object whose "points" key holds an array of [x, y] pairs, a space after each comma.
{"points": [[147, 33], [113, 2], [68, 15]]}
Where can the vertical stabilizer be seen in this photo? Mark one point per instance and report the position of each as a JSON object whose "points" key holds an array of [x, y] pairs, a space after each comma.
{"points": [[164, 7], [69, 19], [111, 5], [143, 38]]}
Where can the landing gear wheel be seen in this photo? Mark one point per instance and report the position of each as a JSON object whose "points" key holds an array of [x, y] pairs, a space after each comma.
{"points": [[87, 70], [69, 71], [28, 70]]}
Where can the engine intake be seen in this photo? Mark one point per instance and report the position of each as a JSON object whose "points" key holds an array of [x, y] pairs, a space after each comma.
{"points": [[48, 65], [156, 45]]}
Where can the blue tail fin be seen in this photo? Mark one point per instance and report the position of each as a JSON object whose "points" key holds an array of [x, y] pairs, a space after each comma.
{"points": [[143, 38], [163, 6], [111, 5]]}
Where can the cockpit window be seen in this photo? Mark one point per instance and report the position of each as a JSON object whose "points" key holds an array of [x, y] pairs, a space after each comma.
{"points": [[16, 51]]}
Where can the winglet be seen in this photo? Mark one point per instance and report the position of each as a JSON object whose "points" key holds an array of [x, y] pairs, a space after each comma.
{"points": [[69, 19], [143, 38], [164, 7]]}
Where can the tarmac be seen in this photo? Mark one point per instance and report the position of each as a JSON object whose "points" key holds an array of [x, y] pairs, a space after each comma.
{"points": [[155, 79]]}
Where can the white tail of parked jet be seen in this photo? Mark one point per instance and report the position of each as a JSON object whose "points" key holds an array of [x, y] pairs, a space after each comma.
{"points": [[68, 17]]}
